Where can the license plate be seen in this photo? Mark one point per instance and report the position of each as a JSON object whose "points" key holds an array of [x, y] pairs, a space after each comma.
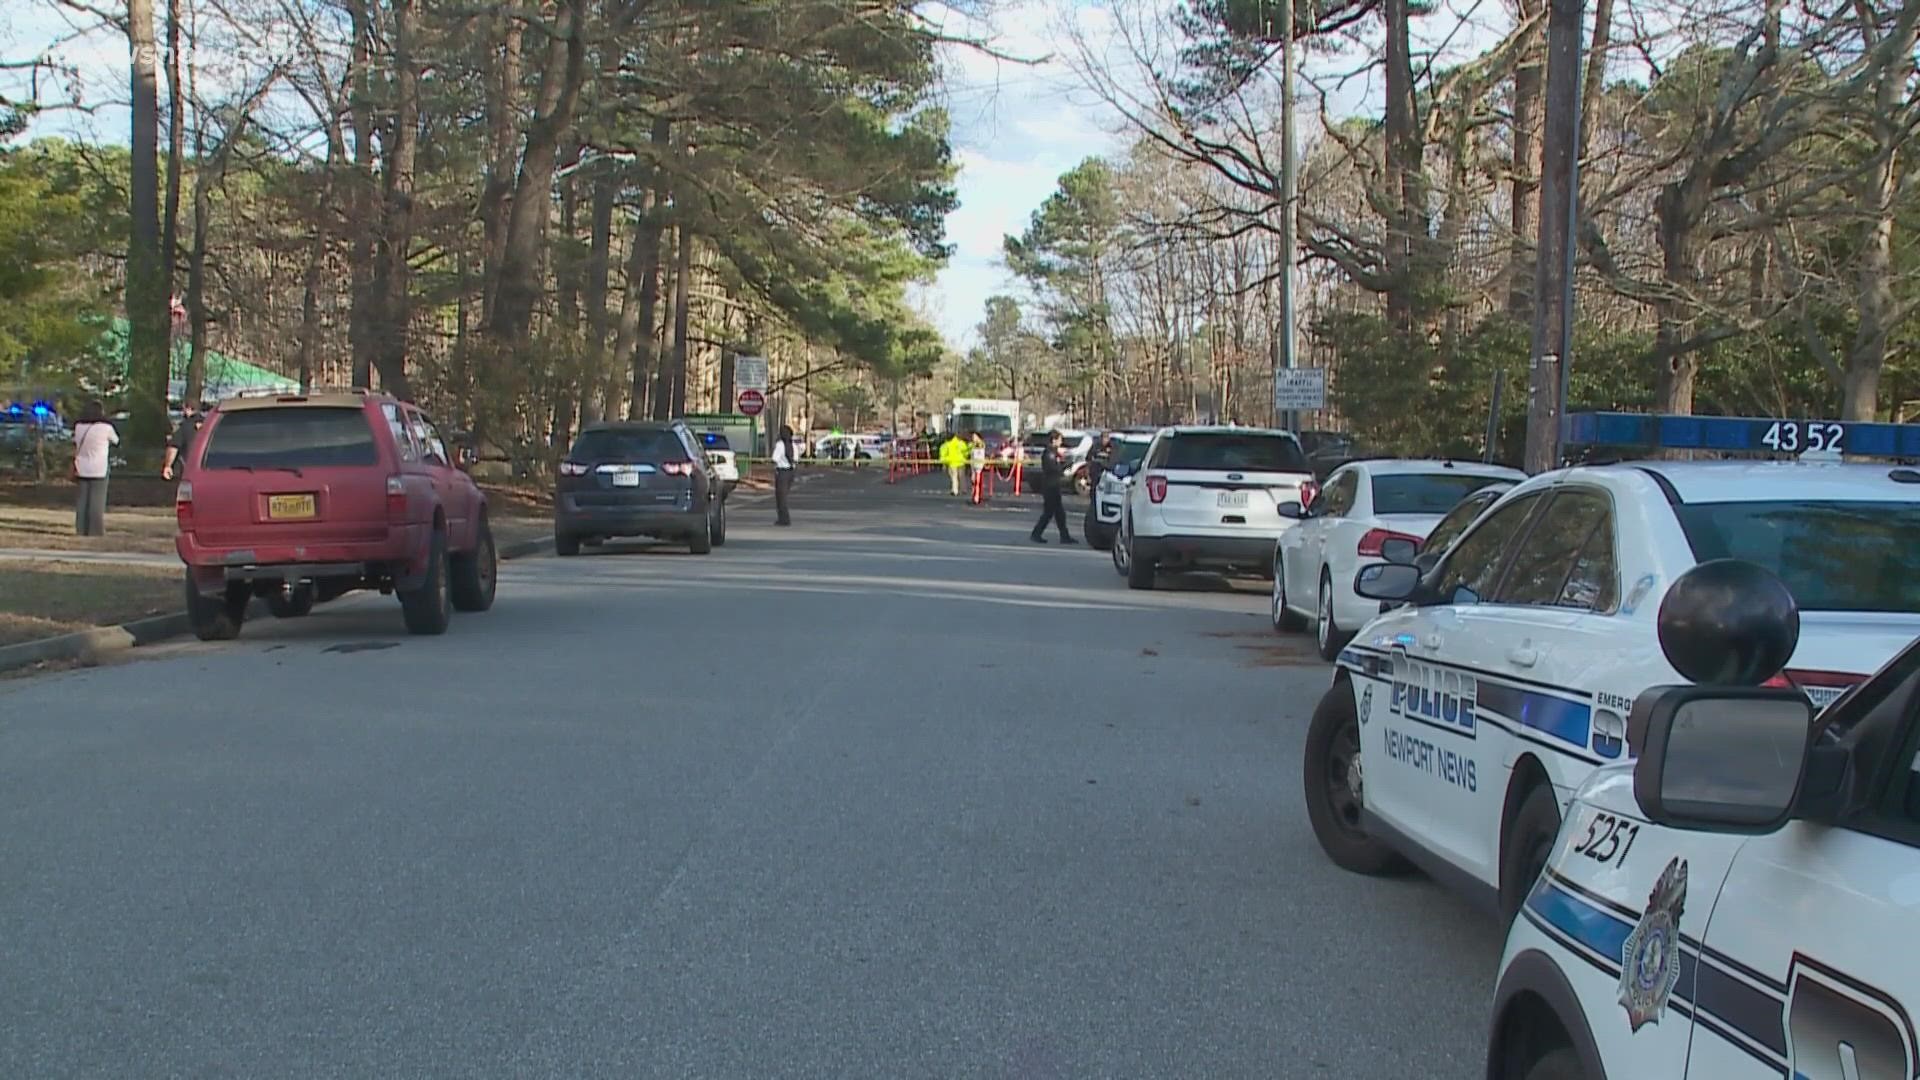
{"points": [[626, 479], [282, 507], [1233, 499]]}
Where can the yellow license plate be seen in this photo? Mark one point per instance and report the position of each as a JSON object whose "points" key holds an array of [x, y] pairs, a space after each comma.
{"points": [[289, 506]]}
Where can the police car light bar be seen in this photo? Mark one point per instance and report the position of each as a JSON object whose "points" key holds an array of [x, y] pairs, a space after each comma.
{"points": [[1738, 433]]}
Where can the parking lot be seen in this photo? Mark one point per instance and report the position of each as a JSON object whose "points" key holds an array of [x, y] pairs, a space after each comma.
{"points": [[889, 793]]}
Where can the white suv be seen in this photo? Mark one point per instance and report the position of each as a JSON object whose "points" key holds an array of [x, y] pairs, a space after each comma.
{"points": [[1110, 493], [1364, 505], [1209, 498]]}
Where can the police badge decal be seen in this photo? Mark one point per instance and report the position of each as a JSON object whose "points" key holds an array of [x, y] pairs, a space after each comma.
{"points": [[1650, 958], [1366, 705]]}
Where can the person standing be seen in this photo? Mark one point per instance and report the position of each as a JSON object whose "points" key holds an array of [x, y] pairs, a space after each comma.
{"points": [[953, 454], [191, 417], [977, 467], [783, 462], [1053, 471], [93, 437]]}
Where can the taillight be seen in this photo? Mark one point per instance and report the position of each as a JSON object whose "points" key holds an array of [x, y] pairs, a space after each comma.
{"points": [[183, 504], [574, 468], [677, 468], [396, 498], [1821, 687], [1371, 543], [1157, 488], [1309, 491]]}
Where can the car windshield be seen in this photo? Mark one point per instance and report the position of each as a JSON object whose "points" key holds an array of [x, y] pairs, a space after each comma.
{"points": [[1424, 493], [627, 445], [1833, 556], [1129, 452], [1218, 451], [984, 423], [297, 437]]}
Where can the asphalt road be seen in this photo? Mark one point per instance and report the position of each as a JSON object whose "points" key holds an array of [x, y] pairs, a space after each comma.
{"points": [[892, 793]]}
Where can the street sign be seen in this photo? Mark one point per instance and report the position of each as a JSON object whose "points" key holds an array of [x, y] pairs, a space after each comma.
{"points": [[749, 373], [1300, 389], [752, 402]]}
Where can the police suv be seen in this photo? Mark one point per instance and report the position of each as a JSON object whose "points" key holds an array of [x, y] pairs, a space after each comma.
{"points": [[1110, 492], [1739, 901], [1459, 723]]}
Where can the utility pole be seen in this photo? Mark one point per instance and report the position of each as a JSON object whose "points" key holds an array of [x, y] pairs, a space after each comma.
{"points": [[1287, 208], [1553, 270]]}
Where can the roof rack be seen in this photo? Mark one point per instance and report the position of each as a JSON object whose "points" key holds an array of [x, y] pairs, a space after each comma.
{"points": [[312, 391], [1743, 434]]}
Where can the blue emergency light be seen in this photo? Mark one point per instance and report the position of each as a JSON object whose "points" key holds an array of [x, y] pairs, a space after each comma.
{"points": [[1742, 433]]}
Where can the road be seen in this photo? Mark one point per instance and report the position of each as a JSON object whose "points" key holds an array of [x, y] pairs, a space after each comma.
{"points": [[891, 793]]}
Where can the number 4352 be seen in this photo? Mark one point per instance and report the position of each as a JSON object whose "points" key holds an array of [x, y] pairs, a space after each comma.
{"points": [[1794, 436]]}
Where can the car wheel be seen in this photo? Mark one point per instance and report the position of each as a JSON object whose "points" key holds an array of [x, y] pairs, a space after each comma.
{"points": [[1560, 1063], [720, 528], [1122, 551], [1081, 485], [1525, 844], [291, 601], [216, 618], [701, 543], [565, 544], [1284, 620], [1327, 632], [1141, 571], [428, 608], [476, 574], [1335, 788]]}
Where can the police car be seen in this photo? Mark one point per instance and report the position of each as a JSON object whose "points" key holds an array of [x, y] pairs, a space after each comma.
{"points": [[1739, 901], [1459, 723], [1110, 493]]}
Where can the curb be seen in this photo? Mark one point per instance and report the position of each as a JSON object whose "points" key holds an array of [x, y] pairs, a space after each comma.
{"points": [[89, 646]]}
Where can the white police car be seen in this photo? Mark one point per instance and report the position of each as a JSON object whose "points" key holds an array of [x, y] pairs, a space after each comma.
{"points": [[1740, 901], [1459, 724], [1103, 509], [1363, 505]]}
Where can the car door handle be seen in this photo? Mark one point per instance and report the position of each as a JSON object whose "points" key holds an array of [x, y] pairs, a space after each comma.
{"points": [[1523, 655]]}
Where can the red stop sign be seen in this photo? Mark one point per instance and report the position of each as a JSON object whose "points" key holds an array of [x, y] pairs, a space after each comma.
{"points": [[752, 402]]}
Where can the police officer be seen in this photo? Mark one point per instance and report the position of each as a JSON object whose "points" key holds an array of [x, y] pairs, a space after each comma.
{"points": [[191, 417], [1053, 471]]}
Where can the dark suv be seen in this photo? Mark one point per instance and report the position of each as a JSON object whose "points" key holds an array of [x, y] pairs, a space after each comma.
{"points": [[300, 498], [638, 479]]}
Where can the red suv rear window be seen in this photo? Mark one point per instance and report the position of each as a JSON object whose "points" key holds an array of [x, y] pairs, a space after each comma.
{"points": [[294, 437]]}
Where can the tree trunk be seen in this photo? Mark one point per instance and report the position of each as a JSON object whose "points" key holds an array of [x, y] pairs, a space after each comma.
{"points": [[1678, 209], [641, 270], [311, 280], [1404, 166], [176, 149], [682, 294], [570, 384], [503, 97], [363, 195], [597, 390], [561, 76], [1529, 86], [197, 279], [146, 291], [1596, 84], [392, 296]]}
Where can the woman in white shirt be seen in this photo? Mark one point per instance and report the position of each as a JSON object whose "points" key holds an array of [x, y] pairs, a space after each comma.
{"points": [[93, 436], [783, 462]]}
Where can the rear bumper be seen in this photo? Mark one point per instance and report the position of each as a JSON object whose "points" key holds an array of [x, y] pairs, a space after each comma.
{"points": [[400, 555], [1234, 552], [627, 521]]}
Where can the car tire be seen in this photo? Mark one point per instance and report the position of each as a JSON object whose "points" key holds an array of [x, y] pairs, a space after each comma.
{"points": [[1327, 633], [1082, 485], [720, 526], [1525, 844], [291, 602], [1335, 788], [476, 574], [1560, 1063], [1284, 620], [216, 618], [1120, 552], [428, 607], [701, 543], [565, 544], [1141, 571]]}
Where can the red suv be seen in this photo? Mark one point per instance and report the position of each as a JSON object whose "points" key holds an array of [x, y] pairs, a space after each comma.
{"points": [[300, 498]]}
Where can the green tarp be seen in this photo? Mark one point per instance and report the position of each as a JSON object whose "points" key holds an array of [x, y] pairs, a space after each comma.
{"points": [[225, 375]]}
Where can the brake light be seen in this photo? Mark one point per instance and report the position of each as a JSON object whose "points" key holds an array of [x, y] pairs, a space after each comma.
{"points": [[183, 504], [1157, 488], [573, 468], [1371, 543], [1309, 491], [396, 498], [1821, 687], [677, 468]]}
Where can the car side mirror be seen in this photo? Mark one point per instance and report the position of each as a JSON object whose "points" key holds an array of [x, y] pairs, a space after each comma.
{"points": [[1291, 510], [1720, 758], [1399, 550], [1387, 581]]}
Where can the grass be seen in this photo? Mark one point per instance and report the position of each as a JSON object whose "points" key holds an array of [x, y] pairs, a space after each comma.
{"points": [[47, 599]]}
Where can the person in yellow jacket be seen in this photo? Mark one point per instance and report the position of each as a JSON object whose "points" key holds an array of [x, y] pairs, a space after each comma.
{"points": [[953, 454]]}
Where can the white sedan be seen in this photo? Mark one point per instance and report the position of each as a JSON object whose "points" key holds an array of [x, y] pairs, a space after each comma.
{"points": [[1363, 505]]}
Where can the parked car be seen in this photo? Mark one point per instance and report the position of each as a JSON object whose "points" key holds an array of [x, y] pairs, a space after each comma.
{"points": [[1075, 444], [1116, 469], [726, 468], [1208, 498], [301, 498], [1363, 505], [638, 478]]}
